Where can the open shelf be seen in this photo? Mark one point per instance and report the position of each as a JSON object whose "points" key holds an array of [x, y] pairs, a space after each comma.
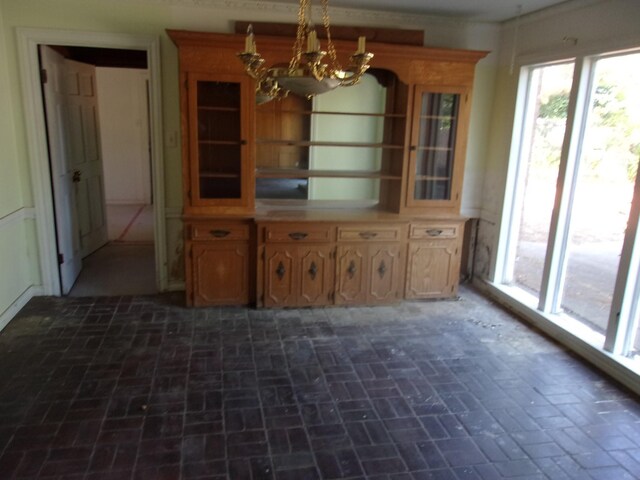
{"points": [[325, 112], [308, 143], [299, 173]]}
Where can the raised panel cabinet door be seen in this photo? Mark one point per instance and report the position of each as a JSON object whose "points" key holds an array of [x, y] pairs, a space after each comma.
{"points": [[351, 274], [315, 274], [384, 273], [432, 269], [280, 277], [220, 273]]}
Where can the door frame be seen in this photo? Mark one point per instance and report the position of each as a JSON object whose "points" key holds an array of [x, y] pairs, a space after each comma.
{"points": [[28, 40]]}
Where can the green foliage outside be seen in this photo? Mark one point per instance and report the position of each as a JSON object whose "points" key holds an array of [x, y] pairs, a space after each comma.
{"points": [[613, 139]]}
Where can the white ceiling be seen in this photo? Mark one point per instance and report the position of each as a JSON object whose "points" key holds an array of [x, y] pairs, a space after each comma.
{"points": [[471, 10]]}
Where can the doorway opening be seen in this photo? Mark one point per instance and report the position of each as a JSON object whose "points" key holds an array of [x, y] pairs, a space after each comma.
{"points": [[99, 137]]}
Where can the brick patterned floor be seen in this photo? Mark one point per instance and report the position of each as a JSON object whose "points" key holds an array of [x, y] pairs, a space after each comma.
{"points": [[137, 388]]}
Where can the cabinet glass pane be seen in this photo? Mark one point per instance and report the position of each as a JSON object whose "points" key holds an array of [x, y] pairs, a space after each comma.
{"points": [[219, 94], [435, 147], [215, 125], [219, 140]]}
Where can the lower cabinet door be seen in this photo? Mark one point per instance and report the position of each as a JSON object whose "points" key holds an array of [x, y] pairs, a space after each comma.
{"points": [[220, 273], [297, 275], [315, 273], [280, 277], [385, 267], [351, 271], [432, 269]]}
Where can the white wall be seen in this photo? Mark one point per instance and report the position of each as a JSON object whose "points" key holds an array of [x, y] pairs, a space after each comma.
{"points": [[124, 132], [574, 28], [19, 274], [368, 96]]}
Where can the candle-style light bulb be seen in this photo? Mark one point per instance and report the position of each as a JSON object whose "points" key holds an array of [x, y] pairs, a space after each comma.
{"points": [[249, 42], [312, 41], [361, 45]]}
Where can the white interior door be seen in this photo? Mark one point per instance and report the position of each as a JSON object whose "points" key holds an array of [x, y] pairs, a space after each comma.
{"points": [[71, 106], [85, 155], [68, 238]]}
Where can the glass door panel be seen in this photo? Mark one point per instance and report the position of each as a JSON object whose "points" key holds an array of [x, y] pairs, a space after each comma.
{"points": [[219, 132], [603, 191], [544, 125], [435, 147]]}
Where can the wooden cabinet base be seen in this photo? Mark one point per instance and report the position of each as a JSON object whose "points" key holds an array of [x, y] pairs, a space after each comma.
{"points": [[219, 262], [320, 263]]}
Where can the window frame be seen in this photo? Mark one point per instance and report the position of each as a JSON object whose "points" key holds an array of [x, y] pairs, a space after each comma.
{"points": [[624, 314]]}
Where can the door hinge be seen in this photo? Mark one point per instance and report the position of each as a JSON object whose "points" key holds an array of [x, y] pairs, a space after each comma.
{"points": [[43, 75], [60, 258], [189, 194]]}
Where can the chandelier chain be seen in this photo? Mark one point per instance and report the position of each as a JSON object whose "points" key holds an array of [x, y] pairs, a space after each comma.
{"points": [[331, 49], [301, 35]]}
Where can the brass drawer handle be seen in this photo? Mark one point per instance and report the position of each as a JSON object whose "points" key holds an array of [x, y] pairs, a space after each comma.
{"points": [[434, 232], [368, 235], [219, 233], [298, 235]]}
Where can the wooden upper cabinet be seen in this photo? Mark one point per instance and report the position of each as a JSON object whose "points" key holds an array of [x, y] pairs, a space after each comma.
{"points": [[410, 160], [438, 147], [220, 135]]}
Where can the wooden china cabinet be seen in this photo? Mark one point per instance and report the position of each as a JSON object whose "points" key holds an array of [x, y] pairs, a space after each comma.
{"points": [[336, 200]]}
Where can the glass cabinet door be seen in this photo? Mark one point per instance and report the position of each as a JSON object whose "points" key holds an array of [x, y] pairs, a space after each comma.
{"points": [[435, 147], [218, 139]]}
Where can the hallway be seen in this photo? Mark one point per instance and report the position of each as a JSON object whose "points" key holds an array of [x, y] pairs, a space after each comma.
{"points": [[125, 265]]}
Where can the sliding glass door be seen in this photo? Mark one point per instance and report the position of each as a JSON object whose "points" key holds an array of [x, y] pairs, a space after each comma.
{"points": [[571, 243]]}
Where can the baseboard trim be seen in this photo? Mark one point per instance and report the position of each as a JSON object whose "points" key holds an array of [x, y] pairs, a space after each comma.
{"points": [[16, 306]]}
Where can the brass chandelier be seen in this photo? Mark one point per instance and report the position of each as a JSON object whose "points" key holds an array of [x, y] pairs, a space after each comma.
{"points": [[306, 74]]}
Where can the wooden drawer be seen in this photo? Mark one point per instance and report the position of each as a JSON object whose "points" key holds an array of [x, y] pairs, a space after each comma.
{"points": [[219, 231], [433, 230], [369, 233], [298, 233]]}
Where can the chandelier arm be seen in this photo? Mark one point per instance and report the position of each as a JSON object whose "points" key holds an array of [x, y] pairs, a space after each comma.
{"points": [[318, 71]]}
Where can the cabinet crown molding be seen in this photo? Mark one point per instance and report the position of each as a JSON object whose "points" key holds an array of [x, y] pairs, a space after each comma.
{"points": [[380, 17]]}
